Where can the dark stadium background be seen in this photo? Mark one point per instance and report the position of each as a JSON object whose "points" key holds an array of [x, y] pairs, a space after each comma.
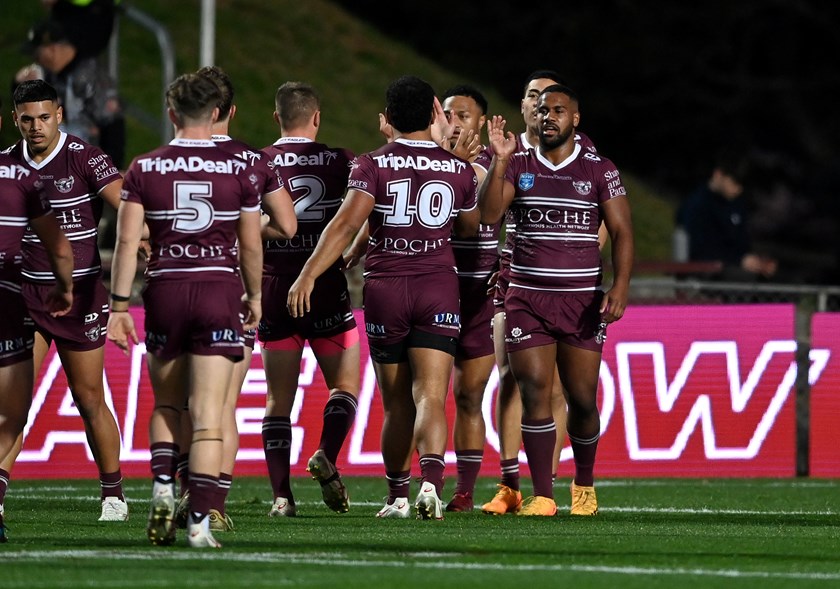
{"points": [[679, 79]]}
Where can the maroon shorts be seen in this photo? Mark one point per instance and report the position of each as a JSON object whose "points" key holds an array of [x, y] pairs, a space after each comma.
{"points": [[501, 286], [202, 318], [16, 329], [397, 305], [249, 337], [83, 328], [477, 312], [331, 311], [538, 318]]}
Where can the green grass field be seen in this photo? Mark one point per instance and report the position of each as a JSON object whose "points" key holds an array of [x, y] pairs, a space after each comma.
{"points": [[650, 533]]}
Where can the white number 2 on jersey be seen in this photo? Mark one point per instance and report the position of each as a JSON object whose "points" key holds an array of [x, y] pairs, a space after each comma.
{"points": [[308, 193], [433, 208]]}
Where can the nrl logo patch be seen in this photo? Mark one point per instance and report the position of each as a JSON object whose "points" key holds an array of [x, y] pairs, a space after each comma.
{"points": [[526, 181], [583, 187], [64, 185]]}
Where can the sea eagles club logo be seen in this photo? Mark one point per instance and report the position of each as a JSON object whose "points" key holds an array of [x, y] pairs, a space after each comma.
{"points": [[526, 181], [64, 185], [583, 187]]}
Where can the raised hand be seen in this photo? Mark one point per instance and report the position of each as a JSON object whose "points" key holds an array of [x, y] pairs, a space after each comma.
{"points": [[503, 144], [442, 128], [468, 145]]}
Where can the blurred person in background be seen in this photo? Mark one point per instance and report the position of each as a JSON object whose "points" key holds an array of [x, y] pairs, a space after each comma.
{"points": [[715, 220], [87, 94]]}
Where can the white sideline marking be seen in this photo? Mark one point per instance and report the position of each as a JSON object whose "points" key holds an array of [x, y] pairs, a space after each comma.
{"points": [[349, 561]]}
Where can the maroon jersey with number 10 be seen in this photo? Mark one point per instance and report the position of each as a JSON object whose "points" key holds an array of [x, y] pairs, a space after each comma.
{"points": [[418, 188]]}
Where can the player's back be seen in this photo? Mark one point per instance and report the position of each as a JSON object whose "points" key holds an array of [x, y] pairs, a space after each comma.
{"points": [[267, 179], [418, 189], [193, 193], [316, 177]]}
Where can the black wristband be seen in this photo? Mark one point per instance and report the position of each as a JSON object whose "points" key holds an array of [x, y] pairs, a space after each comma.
{"points": [[119, 299]]}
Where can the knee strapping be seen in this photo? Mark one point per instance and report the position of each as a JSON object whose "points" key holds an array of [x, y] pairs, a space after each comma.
{"points": [[207, 435]]}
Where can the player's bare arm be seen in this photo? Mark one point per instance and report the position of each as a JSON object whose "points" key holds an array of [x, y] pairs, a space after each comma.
{"points": [[337, 235], [111, 193], [280, 211], [618, 222], [250, 264], [354, 254], [60, 298], [130, 224]]}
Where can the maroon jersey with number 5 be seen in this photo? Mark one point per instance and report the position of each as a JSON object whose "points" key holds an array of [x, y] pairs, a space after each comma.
{"points": [[192, 192]]}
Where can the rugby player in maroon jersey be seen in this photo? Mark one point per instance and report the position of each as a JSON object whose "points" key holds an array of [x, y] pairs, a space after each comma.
{"points": [[276, 202], [23, 204], [558, 195], [476, 258], [316, 174], [78, 178], [202, 292], [413, 193]]}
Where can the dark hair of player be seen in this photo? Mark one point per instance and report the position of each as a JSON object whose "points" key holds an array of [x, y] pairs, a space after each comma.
{"points": [[193, 96], [560, 88], [469, 92], [34, 91], [542, 75], [409, 102], [295, 103], [225, 85]]}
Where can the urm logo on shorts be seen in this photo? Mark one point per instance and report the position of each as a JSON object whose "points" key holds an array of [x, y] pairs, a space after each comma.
{"points": [[225, 335], [374, 330], [448, 319], [12, 345], [526, 181]]}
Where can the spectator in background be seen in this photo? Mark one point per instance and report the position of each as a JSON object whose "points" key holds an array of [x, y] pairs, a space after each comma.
{"points": [[92, 109], [714, 218], [89, 23]]}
